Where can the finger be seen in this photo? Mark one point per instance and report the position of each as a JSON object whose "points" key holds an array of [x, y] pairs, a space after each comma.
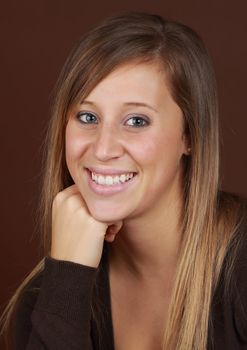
{"points": [[69, 191], [115, 227], [110, 237], [112, 231], [71, 196]]}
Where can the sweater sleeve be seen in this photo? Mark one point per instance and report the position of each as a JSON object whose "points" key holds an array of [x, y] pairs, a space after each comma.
{"points": [[61, 316]]}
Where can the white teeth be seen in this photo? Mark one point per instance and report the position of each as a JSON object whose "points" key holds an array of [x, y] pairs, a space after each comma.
{"points": [[116, 180], [109, 180], [101, 180], [123, 178]]}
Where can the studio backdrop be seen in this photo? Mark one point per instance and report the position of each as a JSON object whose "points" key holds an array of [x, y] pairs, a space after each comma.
{"points": [[36, 37]]}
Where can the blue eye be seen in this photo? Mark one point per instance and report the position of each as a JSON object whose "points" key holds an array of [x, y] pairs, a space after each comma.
{"points": [[137, 122], [87, 118]]}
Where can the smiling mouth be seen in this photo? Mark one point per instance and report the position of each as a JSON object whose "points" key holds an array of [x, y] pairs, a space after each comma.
{"points": [[111, 180]]}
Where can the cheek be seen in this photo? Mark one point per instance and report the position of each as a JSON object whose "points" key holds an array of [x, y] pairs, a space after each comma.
{"points": [[74, 146], [159, 148]]}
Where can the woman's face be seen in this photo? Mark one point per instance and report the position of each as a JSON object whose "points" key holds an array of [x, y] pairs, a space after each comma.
{"points": [[124, 144]]}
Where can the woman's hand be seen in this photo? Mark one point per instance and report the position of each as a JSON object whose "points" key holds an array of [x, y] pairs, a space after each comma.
{"points": [[76, 235]]}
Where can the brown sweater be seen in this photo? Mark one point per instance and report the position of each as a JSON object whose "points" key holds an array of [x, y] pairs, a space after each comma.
{"points": [[56, 310]]}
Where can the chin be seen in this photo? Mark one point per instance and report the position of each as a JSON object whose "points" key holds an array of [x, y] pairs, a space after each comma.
{"points": [[106, 218], [107, 214]]}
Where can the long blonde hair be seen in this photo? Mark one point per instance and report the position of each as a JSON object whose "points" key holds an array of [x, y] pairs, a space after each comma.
{"points": [[210, 218]]}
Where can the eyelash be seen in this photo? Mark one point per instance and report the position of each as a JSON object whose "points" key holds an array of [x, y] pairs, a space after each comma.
{"points": [[142, 122], [81, 114]]}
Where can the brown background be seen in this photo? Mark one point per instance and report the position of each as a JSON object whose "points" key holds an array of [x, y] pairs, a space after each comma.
{"points": [[35, 38]]}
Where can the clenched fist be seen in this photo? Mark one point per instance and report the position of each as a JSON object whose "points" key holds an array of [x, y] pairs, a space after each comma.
{"points": [[76, 235]]}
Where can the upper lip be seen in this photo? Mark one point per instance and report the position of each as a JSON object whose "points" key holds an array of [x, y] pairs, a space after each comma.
{"points": [[106, 171]]}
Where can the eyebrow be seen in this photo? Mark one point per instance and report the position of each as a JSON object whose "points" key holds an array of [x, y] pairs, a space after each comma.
{"points": [[135, 104]]}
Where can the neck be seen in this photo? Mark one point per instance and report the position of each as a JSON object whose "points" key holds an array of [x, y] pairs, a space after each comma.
{"points": [[147, 248]]}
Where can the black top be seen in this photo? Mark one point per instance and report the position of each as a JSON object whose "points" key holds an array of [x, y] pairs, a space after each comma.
{"points": [[56, 310]]}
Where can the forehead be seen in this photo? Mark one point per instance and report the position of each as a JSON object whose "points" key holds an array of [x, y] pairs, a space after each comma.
{"points": [[145, 80]]}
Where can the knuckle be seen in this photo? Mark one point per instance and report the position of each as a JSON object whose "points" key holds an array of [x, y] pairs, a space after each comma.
{"points": [[91, 222], [58, 198], [71, 208], [72, 202]]}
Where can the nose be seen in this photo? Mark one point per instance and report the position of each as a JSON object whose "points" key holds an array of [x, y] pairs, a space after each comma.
{"points": [[108, 144]]}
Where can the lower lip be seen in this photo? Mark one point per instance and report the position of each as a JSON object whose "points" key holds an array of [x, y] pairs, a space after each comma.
{"points": [[105, 190]]}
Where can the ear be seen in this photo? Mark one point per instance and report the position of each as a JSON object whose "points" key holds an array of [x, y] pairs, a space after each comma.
{"points": [[186, 144]]}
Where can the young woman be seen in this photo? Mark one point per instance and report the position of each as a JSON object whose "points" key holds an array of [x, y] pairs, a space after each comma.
{"points": [[142, 250]]}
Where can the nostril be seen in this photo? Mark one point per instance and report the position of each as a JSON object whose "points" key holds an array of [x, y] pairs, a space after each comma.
{"points": [[108, 146]]}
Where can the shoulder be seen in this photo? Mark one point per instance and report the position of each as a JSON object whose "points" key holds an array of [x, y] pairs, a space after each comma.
{"points": [[234, 213], [61, 288], [232, 224], [239, 283], [28, 296], [25, 305], [232, 203], [229, 304], [235, 274], [30, 292]]}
